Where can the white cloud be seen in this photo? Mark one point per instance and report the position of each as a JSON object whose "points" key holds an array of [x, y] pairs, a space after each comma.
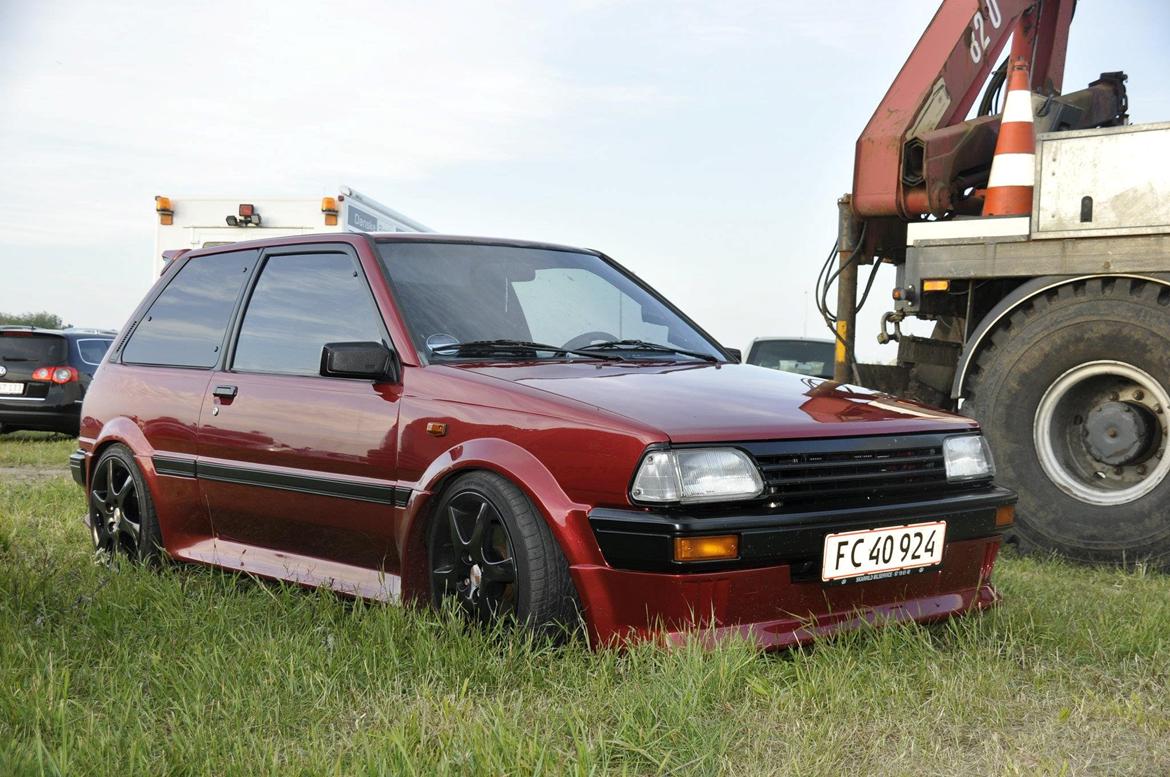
{"points": [[107, 108]]}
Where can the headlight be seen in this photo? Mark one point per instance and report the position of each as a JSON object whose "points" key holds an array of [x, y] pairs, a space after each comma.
{"points": [[967, 458], [696, 475]]}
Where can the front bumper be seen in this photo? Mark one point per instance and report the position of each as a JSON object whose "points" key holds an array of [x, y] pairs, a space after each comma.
{"points": [[773, 593]]}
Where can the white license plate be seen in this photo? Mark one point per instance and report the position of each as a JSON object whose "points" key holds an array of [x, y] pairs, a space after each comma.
{"points": [[7, 388], [875, 554]]}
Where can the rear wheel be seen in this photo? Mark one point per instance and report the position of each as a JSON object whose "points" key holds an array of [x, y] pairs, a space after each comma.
{"points": [[493, 554], [121, 512], [1073, 394]]}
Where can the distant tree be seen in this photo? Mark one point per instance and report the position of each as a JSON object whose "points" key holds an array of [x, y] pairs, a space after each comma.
{"points": [[43, 319]]}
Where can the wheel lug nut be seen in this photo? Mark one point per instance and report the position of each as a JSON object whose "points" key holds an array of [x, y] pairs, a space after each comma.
{"points": [[1118, 471], [1139, 395], [1141, 470], [1114, 396]]}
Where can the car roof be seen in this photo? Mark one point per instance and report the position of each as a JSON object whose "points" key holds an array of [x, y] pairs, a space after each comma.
{"points": [[793, 339], [390, 237], [66, 332]]}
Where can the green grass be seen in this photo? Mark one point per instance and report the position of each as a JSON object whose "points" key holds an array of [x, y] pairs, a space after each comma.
{"points": [[187, 670], [36, 449]]}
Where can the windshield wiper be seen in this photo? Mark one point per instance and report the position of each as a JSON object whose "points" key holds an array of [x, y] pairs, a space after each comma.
{"points": [[516, 348], [642, 345]]}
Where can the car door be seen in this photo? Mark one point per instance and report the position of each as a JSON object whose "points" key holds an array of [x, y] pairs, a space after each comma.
{"points": [[291, 461], [164, 364]]}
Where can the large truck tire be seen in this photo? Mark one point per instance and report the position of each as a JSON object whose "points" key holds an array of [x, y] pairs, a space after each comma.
{"points": [[1072, 394]]}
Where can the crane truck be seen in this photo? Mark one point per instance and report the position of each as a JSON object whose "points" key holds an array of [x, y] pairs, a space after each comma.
{"points": [[1050, 327]]}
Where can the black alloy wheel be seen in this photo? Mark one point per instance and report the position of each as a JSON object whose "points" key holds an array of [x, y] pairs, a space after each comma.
{"points": [[121, 513], [493, 553], [476, 564]]}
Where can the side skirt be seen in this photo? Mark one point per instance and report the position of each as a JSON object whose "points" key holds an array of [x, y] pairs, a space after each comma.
{"points": [[293, 568]]}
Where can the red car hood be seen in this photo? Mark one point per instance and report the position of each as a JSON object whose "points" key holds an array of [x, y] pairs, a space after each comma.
{"points": [[705, 402]]}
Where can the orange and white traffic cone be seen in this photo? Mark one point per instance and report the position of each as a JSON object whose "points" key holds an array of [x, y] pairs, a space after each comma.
{"points": [[1013, 168]]}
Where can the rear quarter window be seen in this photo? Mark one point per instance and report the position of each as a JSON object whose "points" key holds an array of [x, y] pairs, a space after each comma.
{"points": [[185, 325], [93, 350]]}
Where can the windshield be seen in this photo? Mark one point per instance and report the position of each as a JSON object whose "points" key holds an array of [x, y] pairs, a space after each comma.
{"points": [[455, 293], [806, 357]]}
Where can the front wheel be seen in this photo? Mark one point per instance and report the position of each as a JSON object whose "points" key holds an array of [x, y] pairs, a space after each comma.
{"points": [[493, 554], [1072, 393]]}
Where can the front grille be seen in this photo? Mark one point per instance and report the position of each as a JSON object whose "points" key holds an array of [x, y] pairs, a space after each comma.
{"points": [[854, 470]]}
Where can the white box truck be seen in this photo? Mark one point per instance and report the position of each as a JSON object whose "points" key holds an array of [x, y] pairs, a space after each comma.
{"points": [[199, 222]]}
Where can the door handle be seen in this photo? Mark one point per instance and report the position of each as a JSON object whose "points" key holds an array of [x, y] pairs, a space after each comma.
{"points": [[224, 392]]}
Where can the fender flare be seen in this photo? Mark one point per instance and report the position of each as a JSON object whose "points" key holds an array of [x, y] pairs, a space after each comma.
{"points": [[1018, 296], [566, 519], [122, 430]]}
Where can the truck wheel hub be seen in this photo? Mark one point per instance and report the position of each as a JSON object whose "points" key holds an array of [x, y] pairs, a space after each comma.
{"points": [[1118, 433], [1100, 433]]}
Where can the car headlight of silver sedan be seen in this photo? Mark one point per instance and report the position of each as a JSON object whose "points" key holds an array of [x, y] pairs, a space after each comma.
{"points": [[967, 458], [690, 475]]}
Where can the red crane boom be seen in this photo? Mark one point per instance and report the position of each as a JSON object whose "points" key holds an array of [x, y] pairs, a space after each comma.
{"points": [[940, 82]]}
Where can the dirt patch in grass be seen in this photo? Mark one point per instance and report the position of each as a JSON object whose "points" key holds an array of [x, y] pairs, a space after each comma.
{"points": [[25, 474]]}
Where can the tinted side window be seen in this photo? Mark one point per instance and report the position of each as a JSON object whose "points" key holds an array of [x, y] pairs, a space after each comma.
{"points": [[300, 303], [185, 325]]}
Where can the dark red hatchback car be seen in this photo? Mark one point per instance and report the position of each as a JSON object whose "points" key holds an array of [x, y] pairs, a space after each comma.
{"points": [[528, 429]]}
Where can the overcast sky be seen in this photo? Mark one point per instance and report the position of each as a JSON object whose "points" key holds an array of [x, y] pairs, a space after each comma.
{"points": [[701, 144]]}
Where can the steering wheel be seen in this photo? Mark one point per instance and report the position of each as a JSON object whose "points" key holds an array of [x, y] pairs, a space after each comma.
{"points": [[588, 338]]}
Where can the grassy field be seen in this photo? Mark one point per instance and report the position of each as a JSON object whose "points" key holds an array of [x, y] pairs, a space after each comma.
{"points": [[125, 671], [38, 450]]}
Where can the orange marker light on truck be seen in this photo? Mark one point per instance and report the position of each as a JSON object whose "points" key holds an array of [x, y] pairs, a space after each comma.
{"points": [[936, 285], [166, 214], [329, 208], [718, 548]]}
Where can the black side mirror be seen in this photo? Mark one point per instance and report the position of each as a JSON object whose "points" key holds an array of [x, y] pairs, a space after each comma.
{"points": [[373, 361], [735, 354]]}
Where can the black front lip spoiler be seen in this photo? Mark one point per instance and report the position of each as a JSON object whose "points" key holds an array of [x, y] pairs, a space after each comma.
{"points": [[77, 466], [644, 541]]}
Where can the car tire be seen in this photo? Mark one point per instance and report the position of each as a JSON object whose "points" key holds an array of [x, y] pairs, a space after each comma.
{"points": [[1072, 393], [122, 517], [491, 551]]}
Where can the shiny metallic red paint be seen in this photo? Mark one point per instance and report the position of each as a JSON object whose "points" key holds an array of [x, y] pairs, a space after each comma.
{"points": [[570, 435]]}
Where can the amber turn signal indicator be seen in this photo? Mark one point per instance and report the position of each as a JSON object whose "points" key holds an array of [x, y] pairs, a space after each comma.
{"points": [[936, 285], [166, 214], [706, 548], [1005, 515]]}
